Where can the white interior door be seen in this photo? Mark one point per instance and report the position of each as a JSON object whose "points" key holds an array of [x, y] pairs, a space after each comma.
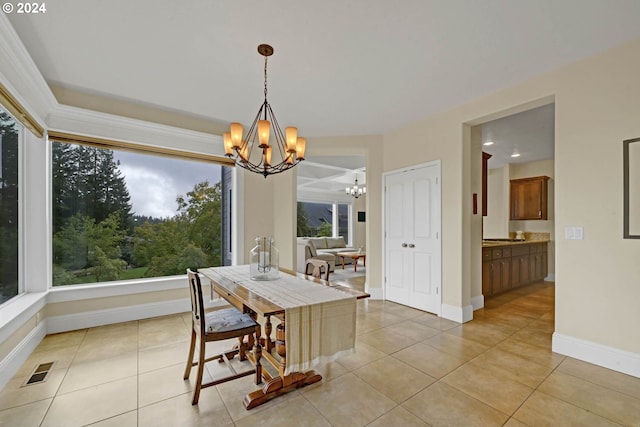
{"points": [[412, 238]]}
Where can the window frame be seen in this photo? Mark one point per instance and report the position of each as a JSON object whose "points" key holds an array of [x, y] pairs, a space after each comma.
{"points": [[335, 214], [115, 287]]}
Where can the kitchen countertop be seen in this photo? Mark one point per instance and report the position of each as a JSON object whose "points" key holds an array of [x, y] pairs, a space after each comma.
{"points": [[493, 244]]}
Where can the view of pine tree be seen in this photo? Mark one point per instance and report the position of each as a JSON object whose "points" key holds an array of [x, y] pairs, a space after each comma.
{"points": [[86, 180], [9, 133], [64, 173]]}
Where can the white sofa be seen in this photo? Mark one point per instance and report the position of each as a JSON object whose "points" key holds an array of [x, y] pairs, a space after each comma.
{"points": [[324, 248]]}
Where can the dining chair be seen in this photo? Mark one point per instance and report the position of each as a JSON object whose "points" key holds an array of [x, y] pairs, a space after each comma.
{"points": [[215, 326], [318, 268]]}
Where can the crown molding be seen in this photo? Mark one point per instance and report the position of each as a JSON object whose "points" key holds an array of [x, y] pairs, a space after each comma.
{"points": [[21, 76], [65, 118]]}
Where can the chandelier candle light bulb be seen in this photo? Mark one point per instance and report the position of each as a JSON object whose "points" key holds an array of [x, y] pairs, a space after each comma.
{"points": [[288, 149], [292, 139], [300, 148], [228, 147], [264, 128], [236, 135]]}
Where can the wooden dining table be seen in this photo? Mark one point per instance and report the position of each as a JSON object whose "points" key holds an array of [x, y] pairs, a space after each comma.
{"points": [[249, 297]]}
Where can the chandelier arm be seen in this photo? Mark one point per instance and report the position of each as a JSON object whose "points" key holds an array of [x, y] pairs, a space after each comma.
{"points": [[252, 135], [277, 130]]}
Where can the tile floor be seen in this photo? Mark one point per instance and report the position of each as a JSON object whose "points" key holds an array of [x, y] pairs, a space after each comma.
{"points": [[410, 369]]}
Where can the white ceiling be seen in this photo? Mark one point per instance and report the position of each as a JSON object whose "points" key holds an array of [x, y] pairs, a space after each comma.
{"points": [[339, 68], [530, 134], [322, 177]]}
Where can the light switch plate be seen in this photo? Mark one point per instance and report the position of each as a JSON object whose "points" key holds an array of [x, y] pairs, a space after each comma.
{"points": [[574, 233]]}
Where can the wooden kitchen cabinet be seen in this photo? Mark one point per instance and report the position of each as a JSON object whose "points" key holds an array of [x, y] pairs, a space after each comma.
{"points": [[509, 266], [496, 271], [538, 262], [528, 198], [520, 270], [501, 275]]}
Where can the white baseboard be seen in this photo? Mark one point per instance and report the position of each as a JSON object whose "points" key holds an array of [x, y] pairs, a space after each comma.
{"points": [[598, 354], [14, 360], [550, 278], [376, 293], [457, 314], [477, 302], [91, 319]]}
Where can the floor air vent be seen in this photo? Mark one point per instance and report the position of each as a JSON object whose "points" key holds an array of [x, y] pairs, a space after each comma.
{"points": [[39, 374]]}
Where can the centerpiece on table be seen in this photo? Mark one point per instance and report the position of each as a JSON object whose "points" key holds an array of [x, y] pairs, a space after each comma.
{"points": [[264, 260]]}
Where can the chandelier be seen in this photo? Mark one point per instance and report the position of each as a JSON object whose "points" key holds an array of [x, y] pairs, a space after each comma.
{"points": [[268, 159], [356, 191]]}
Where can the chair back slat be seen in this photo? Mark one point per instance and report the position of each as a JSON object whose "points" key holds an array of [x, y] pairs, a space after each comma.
{"points": [[197, 303]]}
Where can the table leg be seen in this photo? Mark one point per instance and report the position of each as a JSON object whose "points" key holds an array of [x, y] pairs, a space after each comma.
{"points": [[355, 264], [283, 383], [342, 262], [267, 331], [257, 354]]}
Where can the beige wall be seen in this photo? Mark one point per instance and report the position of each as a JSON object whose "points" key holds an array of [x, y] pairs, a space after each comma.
{"points": [[496, 223], [285, 217], [259, 211], [596, 109], [475, 225], [359, 228]]}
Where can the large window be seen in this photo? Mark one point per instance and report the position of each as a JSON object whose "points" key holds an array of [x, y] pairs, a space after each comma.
{"points": [[10, 135], [126, 215], [323, 219]]}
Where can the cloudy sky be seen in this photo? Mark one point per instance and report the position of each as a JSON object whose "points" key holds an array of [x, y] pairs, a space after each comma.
{"points": [[154, 182]]}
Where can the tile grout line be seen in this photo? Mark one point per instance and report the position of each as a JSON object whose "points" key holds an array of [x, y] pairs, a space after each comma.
{"points": [[55, 394]]}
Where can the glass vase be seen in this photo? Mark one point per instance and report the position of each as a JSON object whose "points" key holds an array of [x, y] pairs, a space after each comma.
{"points": [[264, 260]]}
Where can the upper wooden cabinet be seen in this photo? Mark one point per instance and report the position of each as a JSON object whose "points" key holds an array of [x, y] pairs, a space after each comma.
{"points": [[529, 198]]}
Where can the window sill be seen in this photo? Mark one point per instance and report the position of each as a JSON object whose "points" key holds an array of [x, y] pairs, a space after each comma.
{"points": [[17, 311]]}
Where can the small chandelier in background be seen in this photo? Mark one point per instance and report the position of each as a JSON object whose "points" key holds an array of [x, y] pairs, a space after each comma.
{"points": [[356, 191], [268, 159]]}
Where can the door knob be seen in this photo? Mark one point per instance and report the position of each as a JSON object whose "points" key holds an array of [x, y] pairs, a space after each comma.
{"points": [[411, 245], [404, 245]]}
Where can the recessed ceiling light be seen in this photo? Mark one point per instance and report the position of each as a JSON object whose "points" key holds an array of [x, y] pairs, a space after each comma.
{"points": [[515, 155], [488, 143]]}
